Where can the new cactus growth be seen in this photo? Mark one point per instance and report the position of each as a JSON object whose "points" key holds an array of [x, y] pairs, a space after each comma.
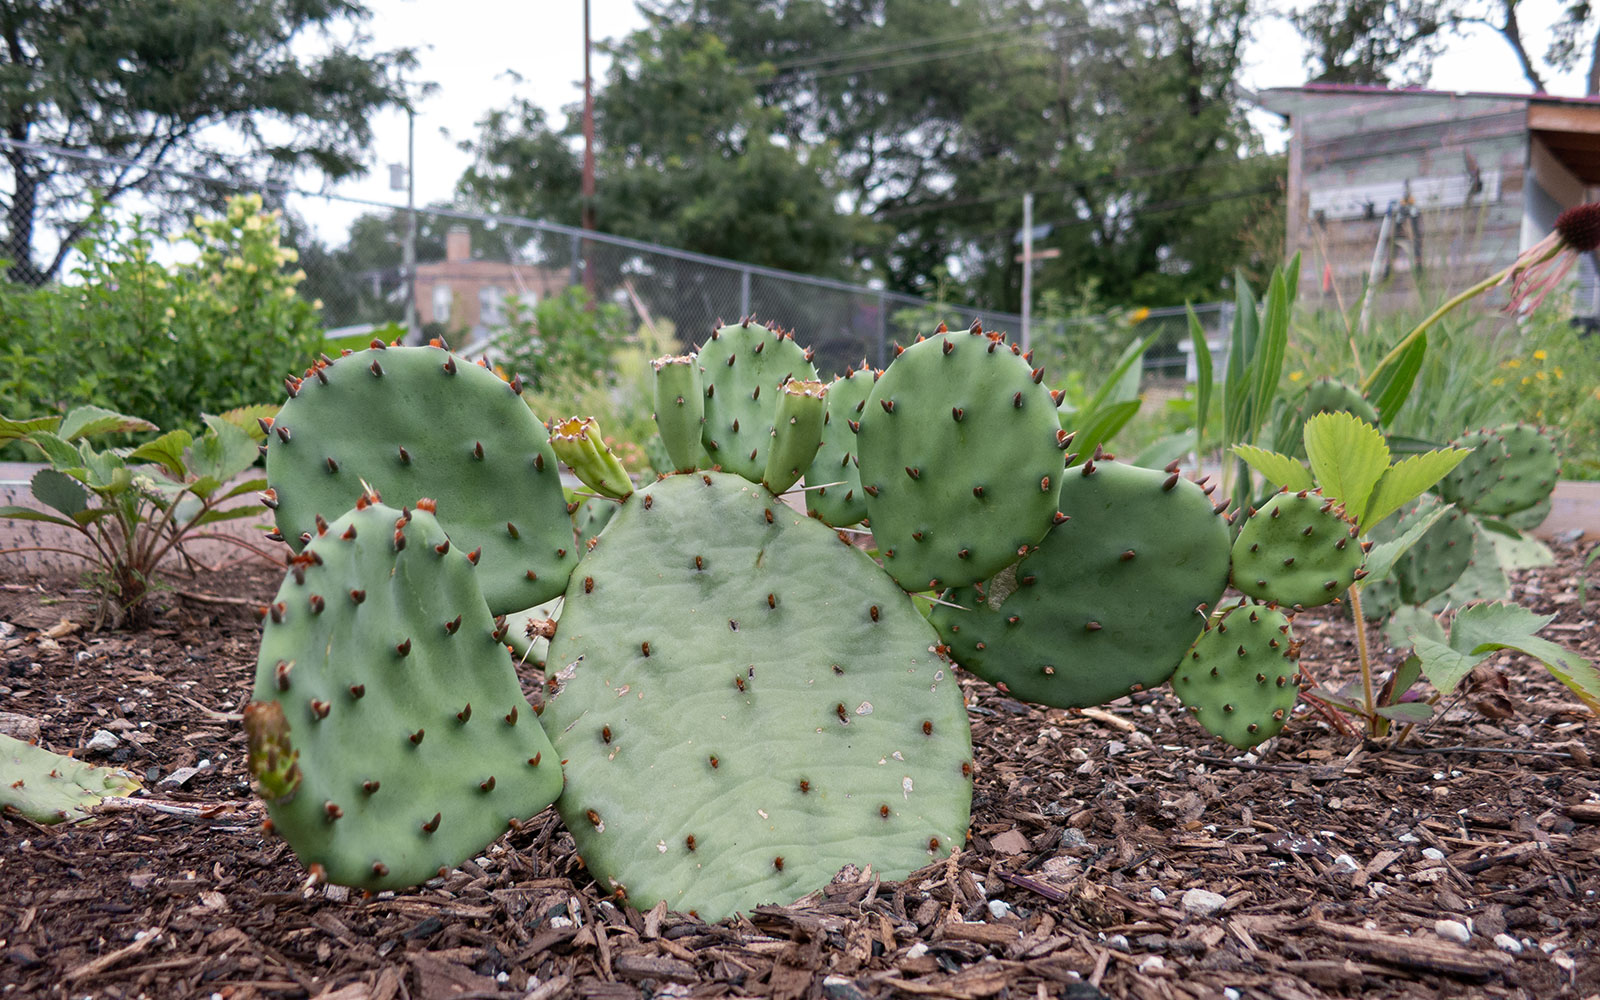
{"points": [[46, 787], [796, 432], [1241, 678], [834, 483], [389, 734], [680, 408], [420, 421], [743, 366], [577, 442], [1298, 549], [745, 704], [1111, 599], [960, 458]]}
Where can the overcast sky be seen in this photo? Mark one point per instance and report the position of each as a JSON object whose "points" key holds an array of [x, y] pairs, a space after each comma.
{"points": [[466, 48]]}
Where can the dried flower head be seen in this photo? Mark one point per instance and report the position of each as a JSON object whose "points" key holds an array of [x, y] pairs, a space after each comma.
{"points": [[1540, 269]]}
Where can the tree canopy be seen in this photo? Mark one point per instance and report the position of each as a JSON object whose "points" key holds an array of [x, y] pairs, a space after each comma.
{"points": [[155, 85]]}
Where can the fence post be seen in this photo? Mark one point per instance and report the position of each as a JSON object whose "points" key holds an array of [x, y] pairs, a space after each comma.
{"points": [[744, 293], [577, 258], [883, 332]]}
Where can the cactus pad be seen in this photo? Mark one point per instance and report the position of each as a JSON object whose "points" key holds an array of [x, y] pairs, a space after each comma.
{"points": [[1108, 603], [1298, 549], [1437, 560], [420, 421], [843, 504], [745, 704], [1241, 677], [742, 367], [389, 733], [960, 458], [1511, 468], [49, 788]]}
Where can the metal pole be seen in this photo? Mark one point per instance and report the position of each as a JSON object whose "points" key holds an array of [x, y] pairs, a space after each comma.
{"points": [[882, 360], [588, 157], [413, 328], [1027, 268], [744, 293]]}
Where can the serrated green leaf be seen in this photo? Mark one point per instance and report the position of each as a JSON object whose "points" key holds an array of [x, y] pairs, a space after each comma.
{"points": [[205, 486], [1444, 667], [247, 418], [1410, 671], [1484, 628], [248, 486], [59, 492], [1406, 480], [165, 451], [1392, 384], [102, 468], [30, 514], [63, 456], [1406, 711], [222, 452], [1280, 470], [11, 430], [1383, 556], [88, 421], [1347, 456]]}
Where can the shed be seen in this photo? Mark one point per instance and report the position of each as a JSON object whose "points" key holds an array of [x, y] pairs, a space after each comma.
{"points": [[1446, 187]]}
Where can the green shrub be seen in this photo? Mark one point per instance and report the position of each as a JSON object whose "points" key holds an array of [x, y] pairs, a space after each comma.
{"points": [[1553, 378], [169, 341]]}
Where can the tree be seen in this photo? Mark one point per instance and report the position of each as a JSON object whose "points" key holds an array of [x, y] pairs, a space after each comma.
{"points": [[1373, 41], [156, 86]]}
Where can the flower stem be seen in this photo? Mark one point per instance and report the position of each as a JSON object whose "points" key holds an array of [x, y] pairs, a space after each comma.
{"points": [[1366, 663], [1434, 317]]}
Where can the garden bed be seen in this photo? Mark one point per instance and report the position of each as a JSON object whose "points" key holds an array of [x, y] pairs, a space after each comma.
{"points": [[1332, 860]]}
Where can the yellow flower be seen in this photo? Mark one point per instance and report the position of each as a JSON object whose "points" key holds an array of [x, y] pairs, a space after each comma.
{"points": [[1539, 355], [1514, 363], [1559, 372], [1497, 380], [1296, 376], [1526, 380], [1541, 376]]}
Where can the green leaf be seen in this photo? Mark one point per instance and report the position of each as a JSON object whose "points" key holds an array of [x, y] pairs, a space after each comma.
{"points": [[1236, 383], [63, 456], [1203, 378], [247, 418], [1116, 386], [1406, 480], [1383, 556], [30, 514], [1267, 366], [1101, 427], [1280, 470], [223, 451], [205, 486], [1484, 628], [1444, 667], [1409, 672], [1406, 711], [166, 451], [1347, 456], [248, 486], [101, 470], [88, 421], [11, 430], [1164, 450], [1392, 384], [59, 492], [230, 514]]}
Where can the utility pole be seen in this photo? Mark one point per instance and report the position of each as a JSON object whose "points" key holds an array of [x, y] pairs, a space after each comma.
{"points": [[588, 154], [413, 328], [1027, 269]]}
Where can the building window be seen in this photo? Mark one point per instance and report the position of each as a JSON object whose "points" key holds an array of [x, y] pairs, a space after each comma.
{"points": [[491, 306], [441, 303]]}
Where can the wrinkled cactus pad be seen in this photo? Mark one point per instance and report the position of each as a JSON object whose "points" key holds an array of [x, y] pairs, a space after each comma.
{"points": [[388, 730], [1298, 549], [960, 458], [420, 421], [842, 503], [745, 704], [1109, 602], [1241, 678]]}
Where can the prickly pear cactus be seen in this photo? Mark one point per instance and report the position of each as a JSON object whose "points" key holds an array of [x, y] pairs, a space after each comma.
{"points": [[1111, 599], [742, 367], [1297, 549], [841, 504], [420, 421], [680, 409], [1434, 564], [960, 458], [745, 704], [1329, 395], [49, 788], [389, 733], [1512, 468], [1241, 678], [796, 432]]}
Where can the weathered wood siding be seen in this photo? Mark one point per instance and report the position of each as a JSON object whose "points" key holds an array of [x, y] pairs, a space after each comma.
{"points": [[1345, 140]]}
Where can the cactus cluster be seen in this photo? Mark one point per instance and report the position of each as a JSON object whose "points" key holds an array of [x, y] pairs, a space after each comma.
{"points": [[1512, 468]]}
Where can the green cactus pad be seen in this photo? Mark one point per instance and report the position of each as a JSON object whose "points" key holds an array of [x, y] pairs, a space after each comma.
{"points": [[399, 706], [796, 434], [1531, 518], [420, 421], [1323, 395], [1434, 564], [680, 409], [1241, 678], [1297, 549], [1108, 604], [591, 518], [745, 704], [960, 459], [1512, 468], [742, 367], [844, 504], [49, 788]]}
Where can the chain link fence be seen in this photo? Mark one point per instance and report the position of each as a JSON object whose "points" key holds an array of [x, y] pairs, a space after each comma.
{"points": [[473, 269]]}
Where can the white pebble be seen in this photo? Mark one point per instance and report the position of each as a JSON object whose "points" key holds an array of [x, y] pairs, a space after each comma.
{"points": [[1202, 902], [1433, 854], [999, 908], [1505, 942], [1117, 941], [103, 741], [1152, 963], [1156, 893], [1346, 862], [1114, 747], [1232, 994], [1408, 838], [1452, 930]]}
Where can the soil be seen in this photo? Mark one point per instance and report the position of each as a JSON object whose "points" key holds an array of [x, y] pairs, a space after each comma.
{"points": [[1333, 858]]}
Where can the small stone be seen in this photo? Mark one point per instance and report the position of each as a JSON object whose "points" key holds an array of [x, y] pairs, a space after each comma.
{"points": [[1505, 942], [840, 988], [1073, 837], [1077, 755], [337, 893], [1152, 963], [177, 779], [1114, 747], [1346, 862], [999, 909], [103, 741], [1433, 854], [1118, 942], [1231, 994], [21, 727], [1452, 930], [1408, 838], [1202, 902], [1156, 893]]}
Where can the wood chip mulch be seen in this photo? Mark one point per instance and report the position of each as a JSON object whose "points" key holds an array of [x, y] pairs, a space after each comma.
{"points": [[1098, 839]]}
